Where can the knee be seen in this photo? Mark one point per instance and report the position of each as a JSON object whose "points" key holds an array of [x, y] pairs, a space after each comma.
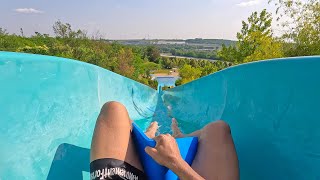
{"points": [[112, 105], [111, 111], [218, 128]]}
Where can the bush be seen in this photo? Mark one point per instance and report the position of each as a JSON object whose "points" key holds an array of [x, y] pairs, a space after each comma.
{"points": [[35, 50]]}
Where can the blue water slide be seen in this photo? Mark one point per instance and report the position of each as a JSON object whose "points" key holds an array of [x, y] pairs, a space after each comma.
{"points": [[49, 105]]}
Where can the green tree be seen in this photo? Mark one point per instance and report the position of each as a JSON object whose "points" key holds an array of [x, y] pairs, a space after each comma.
{"points": [[189, 73], [130, 61], [228, 53], [267, 49], [64, 30], [148, 67], [208, 69], [168, 63], [3, 32], [301, 22], [153, 54], [35, 50], [255, 41], [178, 82], [125, 62]]}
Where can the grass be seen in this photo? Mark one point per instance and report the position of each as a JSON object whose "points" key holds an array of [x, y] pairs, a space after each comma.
{"points": [[162, 71]]}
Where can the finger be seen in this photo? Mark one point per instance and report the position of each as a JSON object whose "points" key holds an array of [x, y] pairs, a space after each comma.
{"points": [[158, 138], [151, 151]]}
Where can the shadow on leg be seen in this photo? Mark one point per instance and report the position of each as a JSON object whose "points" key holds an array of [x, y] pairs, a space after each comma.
{"points": [[216, 157]]}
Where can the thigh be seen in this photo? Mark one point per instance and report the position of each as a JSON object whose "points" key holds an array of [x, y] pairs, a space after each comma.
{"points": [[112, 136], [216, 157]]}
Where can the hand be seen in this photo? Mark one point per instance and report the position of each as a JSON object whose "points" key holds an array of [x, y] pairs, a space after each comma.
{"points": [[167, 154], [166, 151]]}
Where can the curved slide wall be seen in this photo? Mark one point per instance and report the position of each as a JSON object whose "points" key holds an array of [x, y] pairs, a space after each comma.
{"points": [[272, 108], [48, 108]]}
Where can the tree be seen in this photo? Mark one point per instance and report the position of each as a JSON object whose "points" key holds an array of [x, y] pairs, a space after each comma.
{"points": [[148, 67], [3, 32], [178, 82], [65, 31], [267, 49], [21, 32], [208, 69], [189, 73], [301, 22], [255, 41], [228, 53], [130, 61], [125, 62], [61, 30], [153, 54], [35, 50], [167, 63], [258, 26]]}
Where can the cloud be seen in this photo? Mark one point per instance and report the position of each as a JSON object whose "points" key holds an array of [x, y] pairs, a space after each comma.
{"points": [[28, 11], [249, 3]]}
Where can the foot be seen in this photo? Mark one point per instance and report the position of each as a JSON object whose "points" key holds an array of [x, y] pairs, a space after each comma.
{"points": [[175, 129], [152, 129]]}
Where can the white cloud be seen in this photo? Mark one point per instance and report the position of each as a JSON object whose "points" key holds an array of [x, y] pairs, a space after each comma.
{"points": [[249, 3], [28, 11]]}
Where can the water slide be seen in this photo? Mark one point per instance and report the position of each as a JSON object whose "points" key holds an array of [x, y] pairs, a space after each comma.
{"points": [[48, 108]]}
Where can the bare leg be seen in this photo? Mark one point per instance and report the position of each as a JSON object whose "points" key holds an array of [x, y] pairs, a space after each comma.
{"points": [[177, 132], [111, 137], [216, 157]]}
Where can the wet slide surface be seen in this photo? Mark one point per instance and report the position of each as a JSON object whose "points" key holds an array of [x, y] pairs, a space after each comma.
{"points": [[48, 108]]}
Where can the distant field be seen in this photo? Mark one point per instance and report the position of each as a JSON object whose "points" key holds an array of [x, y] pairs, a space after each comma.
{"points": [[197, 41], [165, 72], [185, 57], [197, 49]]}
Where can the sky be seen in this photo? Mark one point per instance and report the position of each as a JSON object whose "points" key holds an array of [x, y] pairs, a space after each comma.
{"points": [[132, 19]]}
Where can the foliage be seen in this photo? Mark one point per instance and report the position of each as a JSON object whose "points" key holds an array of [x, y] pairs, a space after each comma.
{"points": [[195, 53], [3, 32], [301, 22], [197, 48], [125, 62], [206, 70], [153, 54], [131, 61], [299, 19], [162, 71], [189, 73], [204, 66], [267, 49], [69, 43], [210, 41], [255, 41], [148, 67], [135, 62], [34, 50], [65, 31], [228, 53], [178, 82]]}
